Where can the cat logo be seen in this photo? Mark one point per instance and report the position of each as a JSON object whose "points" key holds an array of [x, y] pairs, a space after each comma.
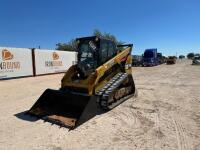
{"points": [[55, 56], [6, 55]]}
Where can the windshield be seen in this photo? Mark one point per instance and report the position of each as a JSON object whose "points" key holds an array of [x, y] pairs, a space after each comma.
{"points": [[148, 54], [86, 51]]}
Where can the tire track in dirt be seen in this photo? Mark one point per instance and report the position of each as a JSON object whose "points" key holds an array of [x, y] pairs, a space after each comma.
{"points": [[157, 126], [181, 137]]}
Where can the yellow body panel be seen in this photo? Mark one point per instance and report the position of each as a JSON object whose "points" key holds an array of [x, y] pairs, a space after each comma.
{"points": [[91, 83]]}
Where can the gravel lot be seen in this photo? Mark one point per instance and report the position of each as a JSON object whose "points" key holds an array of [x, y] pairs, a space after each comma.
{"points": [[164, 115]]}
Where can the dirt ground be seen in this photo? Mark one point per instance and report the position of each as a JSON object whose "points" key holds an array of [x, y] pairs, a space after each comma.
{"points": [[164, 116]]}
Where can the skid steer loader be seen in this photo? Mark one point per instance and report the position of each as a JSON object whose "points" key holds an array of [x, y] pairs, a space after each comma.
{"points": [[100, 80]]}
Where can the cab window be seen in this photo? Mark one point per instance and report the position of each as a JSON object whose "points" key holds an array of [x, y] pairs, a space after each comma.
{"points": [[104, 51], [111, 50]]}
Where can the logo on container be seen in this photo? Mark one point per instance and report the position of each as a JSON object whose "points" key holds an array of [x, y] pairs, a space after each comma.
{"points": [[55, 56], [7, 65], [55, 63], [6, 55]]}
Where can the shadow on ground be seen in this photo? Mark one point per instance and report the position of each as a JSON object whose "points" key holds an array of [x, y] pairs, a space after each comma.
{"points": [[24, 116]]}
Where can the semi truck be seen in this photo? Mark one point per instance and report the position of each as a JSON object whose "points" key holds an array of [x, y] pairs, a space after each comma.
{"points": [[150, 57], [137, 60], [161, 58]]}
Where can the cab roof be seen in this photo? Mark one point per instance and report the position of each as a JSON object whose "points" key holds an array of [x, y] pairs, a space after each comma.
{"points": [[93, 37]]}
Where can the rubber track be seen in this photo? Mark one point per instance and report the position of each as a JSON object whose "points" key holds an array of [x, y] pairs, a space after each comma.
{"points": [[109, 88]]}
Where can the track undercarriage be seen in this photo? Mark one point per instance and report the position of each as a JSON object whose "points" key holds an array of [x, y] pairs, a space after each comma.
{"points": [[120, 88]]}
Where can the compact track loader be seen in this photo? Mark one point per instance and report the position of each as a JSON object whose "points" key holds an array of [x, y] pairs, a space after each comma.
{"points": [[101, 80]]}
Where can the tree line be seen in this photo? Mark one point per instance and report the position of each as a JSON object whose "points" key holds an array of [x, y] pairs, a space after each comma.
{"points": [[72, 45], [191, 55]]}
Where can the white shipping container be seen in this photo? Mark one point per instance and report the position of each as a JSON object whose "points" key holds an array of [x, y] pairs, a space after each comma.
{"points": [[53, 61], [15, 62]]}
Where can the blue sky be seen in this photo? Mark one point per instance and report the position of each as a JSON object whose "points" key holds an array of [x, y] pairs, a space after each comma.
{"points": [[172, 26]]}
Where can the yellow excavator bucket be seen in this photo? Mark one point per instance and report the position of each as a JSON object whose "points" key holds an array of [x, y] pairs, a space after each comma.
{"points": [[64, 109]]}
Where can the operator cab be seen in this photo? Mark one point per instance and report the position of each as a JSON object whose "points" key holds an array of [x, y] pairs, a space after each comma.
{"points": [[93, 52]]}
